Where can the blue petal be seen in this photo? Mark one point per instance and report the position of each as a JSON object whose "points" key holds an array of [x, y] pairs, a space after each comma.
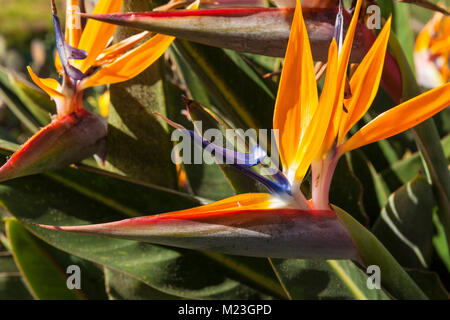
{"points": [[243, 163], [339, 27], [231, 157], [75, 53], [65, 51]]}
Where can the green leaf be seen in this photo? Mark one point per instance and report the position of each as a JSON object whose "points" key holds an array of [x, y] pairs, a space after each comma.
{"points": [[21, 89], [45, 279], [386, 7], [248, 103], [324, 279], [346, 191], [12, 286], [440, 242], [92, 282], [168, 270], [121, 286], [405, 225], [7, 147], [123, 196], [393, 278], [374, 195], [406, 169], [401, 18], [39, 98], [18, 109], [139, 145], [196, 90], [430, 284], [207, 180]]}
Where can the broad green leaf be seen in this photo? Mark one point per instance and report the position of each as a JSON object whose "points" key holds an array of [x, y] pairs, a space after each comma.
{"points": [[243, 61], [39, 98], [44, 278], [386, 7], [168, 270], [92, 282], [258, 270], [430, 284], [405, 224], [374, 194], [17, 108], [7, 147], [393, 278], [440, 242], [138, 144], [263, 65], [432, 5], [120, 195], [248, 103], [121, 286], [405, 169], [346, 191], [401, 18], [196, 90], [324, 279], [12, 286], [15, 85], [207, 180]]}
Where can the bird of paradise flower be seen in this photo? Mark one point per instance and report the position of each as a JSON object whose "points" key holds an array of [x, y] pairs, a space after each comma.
{"points": [[432, 52], [312, 133], [84, 59]]}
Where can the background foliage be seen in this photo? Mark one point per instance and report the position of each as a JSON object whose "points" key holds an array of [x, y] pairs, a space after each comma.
{"points": [[382, 185]]}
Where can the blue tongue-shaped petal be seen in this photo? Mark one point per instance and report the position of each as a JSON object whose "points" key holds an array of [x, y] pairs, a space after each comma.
{"points": [[75, 53], [227, 156], [65, 51], [339, 27], [238, 160]]}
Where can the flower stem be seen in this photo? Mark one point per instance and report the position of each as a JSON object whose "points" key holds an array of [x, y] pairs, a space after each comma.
{"points": [[299, 197], [322, 175]]}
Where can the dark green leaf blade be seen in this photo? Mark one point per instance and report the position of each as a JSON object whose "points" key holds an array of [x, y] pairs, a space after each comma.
{"points": [[165, 269], [325, 279], [405, 225], [393, 278], [44, 278]]}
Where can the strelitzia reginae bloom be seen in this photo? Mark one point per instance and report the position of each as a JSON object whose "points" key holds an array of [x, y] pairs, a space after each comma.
{"points": [[312, 132], [84, 59], [431, 52]]}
